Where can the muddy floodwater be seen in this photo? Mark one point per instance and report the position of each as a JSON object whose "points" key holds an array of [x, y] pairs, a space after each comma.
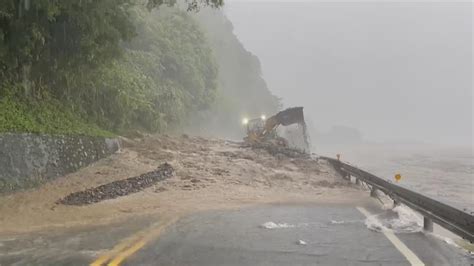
{"points": [[443, 173]]}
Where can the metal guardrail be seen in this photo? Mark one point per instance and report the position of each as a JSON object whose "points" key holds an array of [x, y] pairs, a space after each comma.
{"points": [[451, 218]]}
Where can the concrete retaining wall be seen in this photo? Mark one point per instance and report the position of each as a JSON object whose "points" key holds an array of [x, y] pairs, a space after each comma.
{"points": [[30, 159]]}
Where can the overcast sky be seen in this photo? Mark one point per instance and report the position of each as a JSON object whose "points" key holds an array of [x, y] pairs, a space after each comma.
{"points": [[395, 71]]}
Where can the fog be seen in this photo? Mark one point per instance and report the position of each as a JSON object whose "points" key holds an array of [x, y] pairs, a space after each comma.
{"points": [[396, 72]]}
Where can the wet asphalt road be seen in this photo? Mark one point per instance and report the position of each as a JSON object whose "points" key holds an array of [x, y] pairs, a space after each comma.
{"points": [[333, 235], [78, 246]]}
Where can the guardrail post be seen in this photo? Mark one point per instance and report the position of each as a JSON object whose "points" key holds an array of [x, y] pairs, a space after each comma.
{"points": [[427, 224]]}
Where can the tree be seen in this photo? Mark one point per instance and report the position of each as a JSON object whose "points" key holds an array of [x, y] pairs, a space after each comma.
{"points": [[83, 55], [40, 37]]}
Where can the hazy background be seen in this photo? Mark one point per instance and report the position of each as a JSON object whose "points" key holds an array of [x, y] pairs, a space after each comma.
{"points": [[397, 72]]}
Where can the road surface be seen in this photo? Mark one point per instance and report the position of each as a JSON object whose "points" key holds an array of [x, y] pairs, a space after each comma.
{"points": [[305, 234]]}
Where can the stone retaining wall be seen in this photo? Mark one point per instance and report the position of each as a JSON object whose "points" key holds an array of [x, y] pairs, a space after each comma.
{"points": [[30, 159]]}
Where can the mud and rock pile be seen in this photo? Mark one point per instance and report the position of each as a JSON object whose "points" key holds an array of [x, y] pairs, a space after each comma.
{"points": [[278, 151], [119, 188], [195, 174]]}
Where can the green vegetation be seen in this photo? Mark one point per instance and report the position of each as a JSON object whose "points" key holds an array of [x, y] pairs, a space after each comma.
{"points": [[172, 51], [93, 67], [77, 60], [48, 117]]}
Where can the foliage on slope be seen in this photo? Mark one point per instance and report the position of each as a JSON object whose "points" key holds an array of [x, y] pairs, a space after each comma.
{"points": [[76, 66], [79, 56], [18, 116], [165, 73]]}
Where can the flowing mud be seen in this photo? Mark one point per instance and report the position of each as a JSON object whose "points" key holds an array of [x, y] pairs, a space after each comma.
{"points": [[208, 174]]}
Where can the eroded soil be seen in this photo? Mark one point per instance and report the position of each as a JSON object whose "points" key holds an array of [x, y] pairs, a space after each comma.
{"points": [[209, 174]]}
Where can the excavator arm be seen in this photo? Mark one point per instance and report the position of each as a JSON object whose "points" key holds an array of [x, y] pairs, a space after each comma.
{"points": [[286, 117]]}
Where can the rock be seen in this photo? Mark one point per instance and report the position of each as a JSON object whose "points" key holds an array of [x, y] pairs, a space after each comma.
{"points": [[118, 188], [160, 189]]}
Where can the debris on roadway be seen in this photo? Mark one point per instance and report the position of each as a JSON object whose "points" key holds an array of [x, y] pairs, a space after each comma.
{"points": [[119, 188], [205, 174], [278, 151], [263, 133]]}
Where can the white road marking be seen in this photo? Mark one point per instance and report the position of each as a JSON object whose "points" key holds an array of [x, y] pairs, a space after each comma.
{"points": [[409, 255]]}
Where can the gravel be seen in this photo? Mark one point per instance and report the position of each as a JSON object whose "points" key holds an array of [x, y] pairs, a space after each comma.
{"points": [[118, 188], [278, 151]]}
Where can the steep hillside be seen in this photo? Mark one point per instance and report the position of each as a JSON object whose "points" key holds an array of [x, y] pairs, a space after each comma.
{"points": [[140, 69], [152, 70], [242, 90]]}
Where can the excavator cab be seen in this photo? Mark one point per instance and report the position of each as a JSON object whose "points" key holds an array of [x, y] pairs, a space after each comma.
{"points": [[255, 127]]}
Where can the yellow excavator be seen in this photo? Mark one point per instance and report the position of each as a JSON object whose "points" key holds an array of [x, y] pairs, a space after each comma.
{"points": [[263, 130]]}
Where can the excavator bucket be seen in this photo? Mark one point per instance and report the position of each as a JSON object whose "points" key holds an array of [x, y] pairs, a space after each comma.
{"points": [[290, 116]]}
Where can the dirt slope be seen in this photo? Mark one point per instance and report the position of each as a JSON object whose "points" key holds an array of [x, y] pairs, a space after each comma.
{"points": [[209, 174]]}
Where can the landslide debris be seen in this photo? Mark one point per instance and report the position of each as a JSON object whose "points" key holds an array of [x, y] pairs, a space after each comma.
{"points": [[206, 174], [118, 188], [278, 151]]}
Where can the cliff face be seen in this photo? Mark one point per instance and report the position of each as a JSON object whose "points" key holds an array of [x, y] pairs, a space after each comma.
{"points": [[242, 92]]}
